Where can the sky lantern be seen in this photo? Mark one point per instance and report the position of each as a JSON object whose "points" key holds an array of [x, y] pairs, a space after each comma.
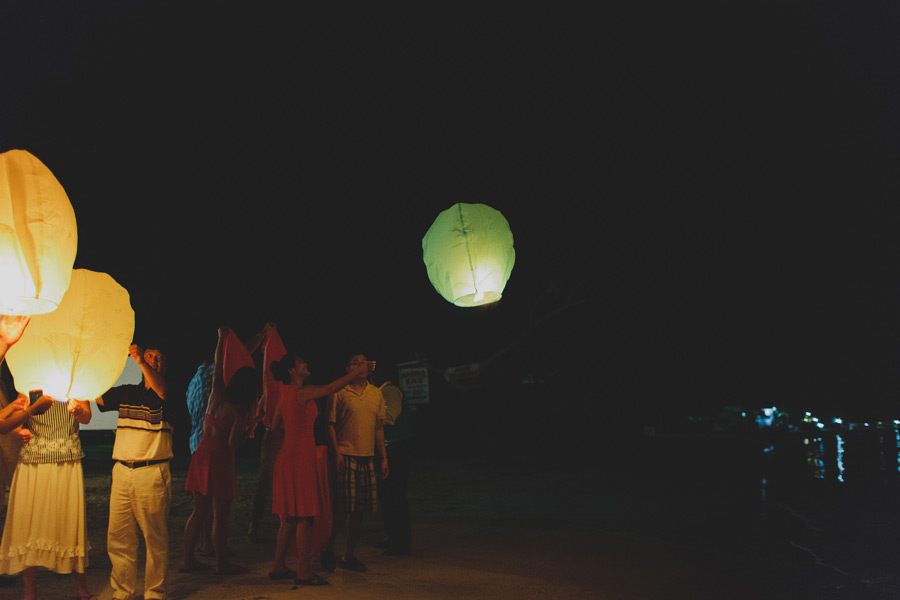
{"points": [[468, 252], [79, 350], [38, 236]]}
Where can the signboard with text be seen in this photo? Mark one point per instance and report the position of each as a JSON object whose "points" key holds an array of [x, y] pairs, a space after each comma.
{"points": [[413, 382]]}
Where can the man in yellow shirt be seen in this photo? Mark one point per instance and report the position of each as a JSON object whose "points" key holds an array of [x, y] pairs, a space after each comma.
{"points": [[355, 432]]}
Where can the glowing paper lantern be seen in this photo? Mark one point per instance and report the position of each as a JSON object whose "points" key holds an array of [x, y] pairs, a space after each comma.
{"points": [[469, 254], [38, 236], [79, 350]]}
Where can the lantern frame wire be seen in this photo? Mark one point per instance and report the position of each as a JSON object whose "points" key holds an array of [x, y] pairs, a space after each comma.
{"points": [[462, 224]]}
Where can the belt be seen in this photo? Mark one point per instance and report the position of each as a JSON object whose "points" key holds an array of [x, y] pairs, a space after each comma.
{"points": [[137, 464]]}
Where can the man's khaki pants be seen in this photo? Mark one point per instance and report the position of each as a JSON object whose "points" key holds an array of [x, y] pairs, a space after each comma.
{"points": [[139, 497]]}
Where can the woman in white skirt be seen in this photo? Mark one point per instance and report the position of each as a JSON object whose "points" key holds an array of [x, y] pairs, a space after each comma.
{"points": [[45, 522]]}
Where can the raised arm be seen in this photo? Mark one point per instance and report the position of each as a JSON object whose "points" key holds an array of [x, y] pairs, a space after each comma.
{"points": [[152, 377], [311, 392], [218, 378], [256, 341]]}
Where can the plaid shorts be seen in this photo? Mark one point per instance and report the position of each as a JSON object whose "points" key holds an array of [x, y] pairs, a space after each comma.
{"points": [[355, 487]]}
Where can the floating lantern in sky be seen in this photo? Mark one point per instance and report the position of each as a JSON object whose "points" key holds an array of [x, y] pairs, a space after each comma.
{"points": [[78, 350], [38, 236], [468, 252]]}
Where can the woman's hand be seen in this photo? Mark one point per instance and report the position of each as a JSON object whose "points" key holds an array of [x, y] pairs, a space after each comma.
{"points": [[12, 327], [76, 409], [24, 435], [40, 406]]}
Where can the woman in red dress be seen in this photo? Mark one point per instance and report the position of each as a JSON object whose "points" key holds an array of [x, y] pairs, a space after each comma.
{"points": [[211, 476], [297, 495]]}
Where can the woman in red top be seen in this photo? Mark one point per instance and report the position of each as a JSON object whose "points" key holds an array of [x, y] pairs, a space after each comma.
{"points": [[211, 476], [297, 495]]}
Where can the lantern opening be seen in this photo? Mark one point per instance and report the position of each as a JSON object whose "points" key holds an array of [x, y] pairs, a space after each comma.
{"points": [[26, 305]]}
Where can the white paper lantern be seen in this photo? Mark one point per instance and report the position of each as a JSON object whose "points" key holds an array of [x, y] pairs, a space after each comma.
{"points": [[38, 236], [468, 252], [79, 350]]}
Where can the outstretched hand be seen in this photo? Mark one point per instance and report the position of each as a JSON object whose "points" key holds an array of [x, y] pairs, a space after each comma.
{"points": [[12, 327]]}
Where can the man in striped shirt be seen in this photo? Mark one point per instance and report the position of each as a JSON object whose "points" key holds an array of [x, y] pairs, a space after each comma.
{"points": [[141, 483]]}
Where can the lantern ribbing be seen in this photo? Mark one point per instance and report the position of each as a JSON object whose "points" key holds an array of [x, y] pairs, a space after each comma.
{"points": [[465, 233]]}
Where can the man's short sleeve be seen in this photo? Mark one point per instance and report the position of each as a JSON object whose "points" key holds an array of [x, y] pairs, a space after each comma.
{"points": [[382, 411], [112, 399]]}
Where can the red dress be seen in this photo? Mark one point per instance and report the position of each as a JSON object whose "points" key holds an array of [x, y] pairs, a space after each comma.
{"points": [[212, 466], [296, 491]]}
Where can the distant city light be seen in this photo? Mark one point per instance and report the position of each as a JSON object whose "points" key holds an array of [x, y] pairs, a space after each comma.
{"points": [[838, 421]]}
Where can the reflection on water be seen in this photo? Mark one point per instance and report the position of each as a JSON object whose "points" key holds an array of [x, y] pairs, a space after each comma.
{"points": [[864, 454]]}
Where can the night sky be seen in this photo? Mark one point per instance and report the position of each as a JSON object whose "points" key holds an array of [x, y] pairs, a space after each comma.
{"points": [[702, 195]]}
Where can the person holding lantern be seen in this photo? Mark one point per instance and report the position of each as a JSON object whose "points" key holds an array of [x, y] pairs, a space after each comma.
{"points": [[13, 414], [356, 416], [46, 523], [297, 495], [211, 477], [141, 482]]}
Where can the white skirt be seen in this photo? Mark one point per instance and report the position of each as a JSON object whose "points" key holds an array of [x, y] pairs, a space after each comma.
{"points": [[46, 525]]}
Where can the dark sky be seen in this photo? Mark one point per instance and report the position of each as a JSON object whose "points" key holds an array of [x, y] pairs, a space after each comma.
{"points": [[710, 186]]}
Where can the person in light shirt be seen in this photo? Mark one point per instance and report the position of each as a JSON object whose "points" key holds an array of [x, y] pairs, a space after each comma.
{"points": [[356, 416], [141, 482]]}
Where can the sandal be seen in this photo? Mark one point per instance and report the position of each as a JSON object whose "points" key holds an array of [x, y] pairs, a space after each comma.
{"points": [[314, 580]]}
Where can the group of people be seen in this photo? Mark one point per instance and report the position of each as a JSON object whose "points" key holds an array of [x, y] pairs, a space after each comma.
{"points": [[335, 484], [46, 524], [310, 486]]}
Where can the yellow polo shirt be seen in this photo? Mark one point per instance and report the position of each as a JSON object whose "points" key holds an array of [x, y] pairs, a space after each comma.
{"points": [[355, 416]]}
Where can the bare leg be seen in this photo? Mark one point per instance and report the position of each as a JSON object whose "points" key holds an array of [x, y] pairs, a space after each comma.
{"points": [[285, 535], [354, 533], [220, 538], [202, 506], [304, 539], [81, 588], [205, 546], [29, 577], [338, 521]]}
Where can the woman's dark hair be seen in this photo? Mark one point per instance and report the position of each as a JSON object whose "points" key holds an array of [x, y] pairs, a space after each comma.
{"points": [[243, 388], [280, 367]]}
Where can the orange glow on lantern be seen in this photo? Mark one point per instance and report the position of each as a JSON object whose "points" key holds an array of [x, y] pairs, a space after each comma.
{"points": [[38, 236], [79, 350]]}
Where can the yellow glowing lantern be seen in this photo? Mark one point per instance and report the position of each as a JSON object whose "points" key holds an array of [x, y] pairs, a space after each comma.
{"points": [[79, 350], [38, 236], [468, 252]]}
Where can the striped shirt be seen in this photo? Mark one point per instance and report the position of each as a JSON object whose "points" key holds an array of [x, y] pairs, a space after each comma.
{"points": [[55, 437], [143, 431]]}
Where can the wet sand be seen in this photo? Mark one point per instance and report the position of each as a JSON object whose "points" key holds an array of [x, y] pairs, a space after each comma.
{"points": [[651, 530]]}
